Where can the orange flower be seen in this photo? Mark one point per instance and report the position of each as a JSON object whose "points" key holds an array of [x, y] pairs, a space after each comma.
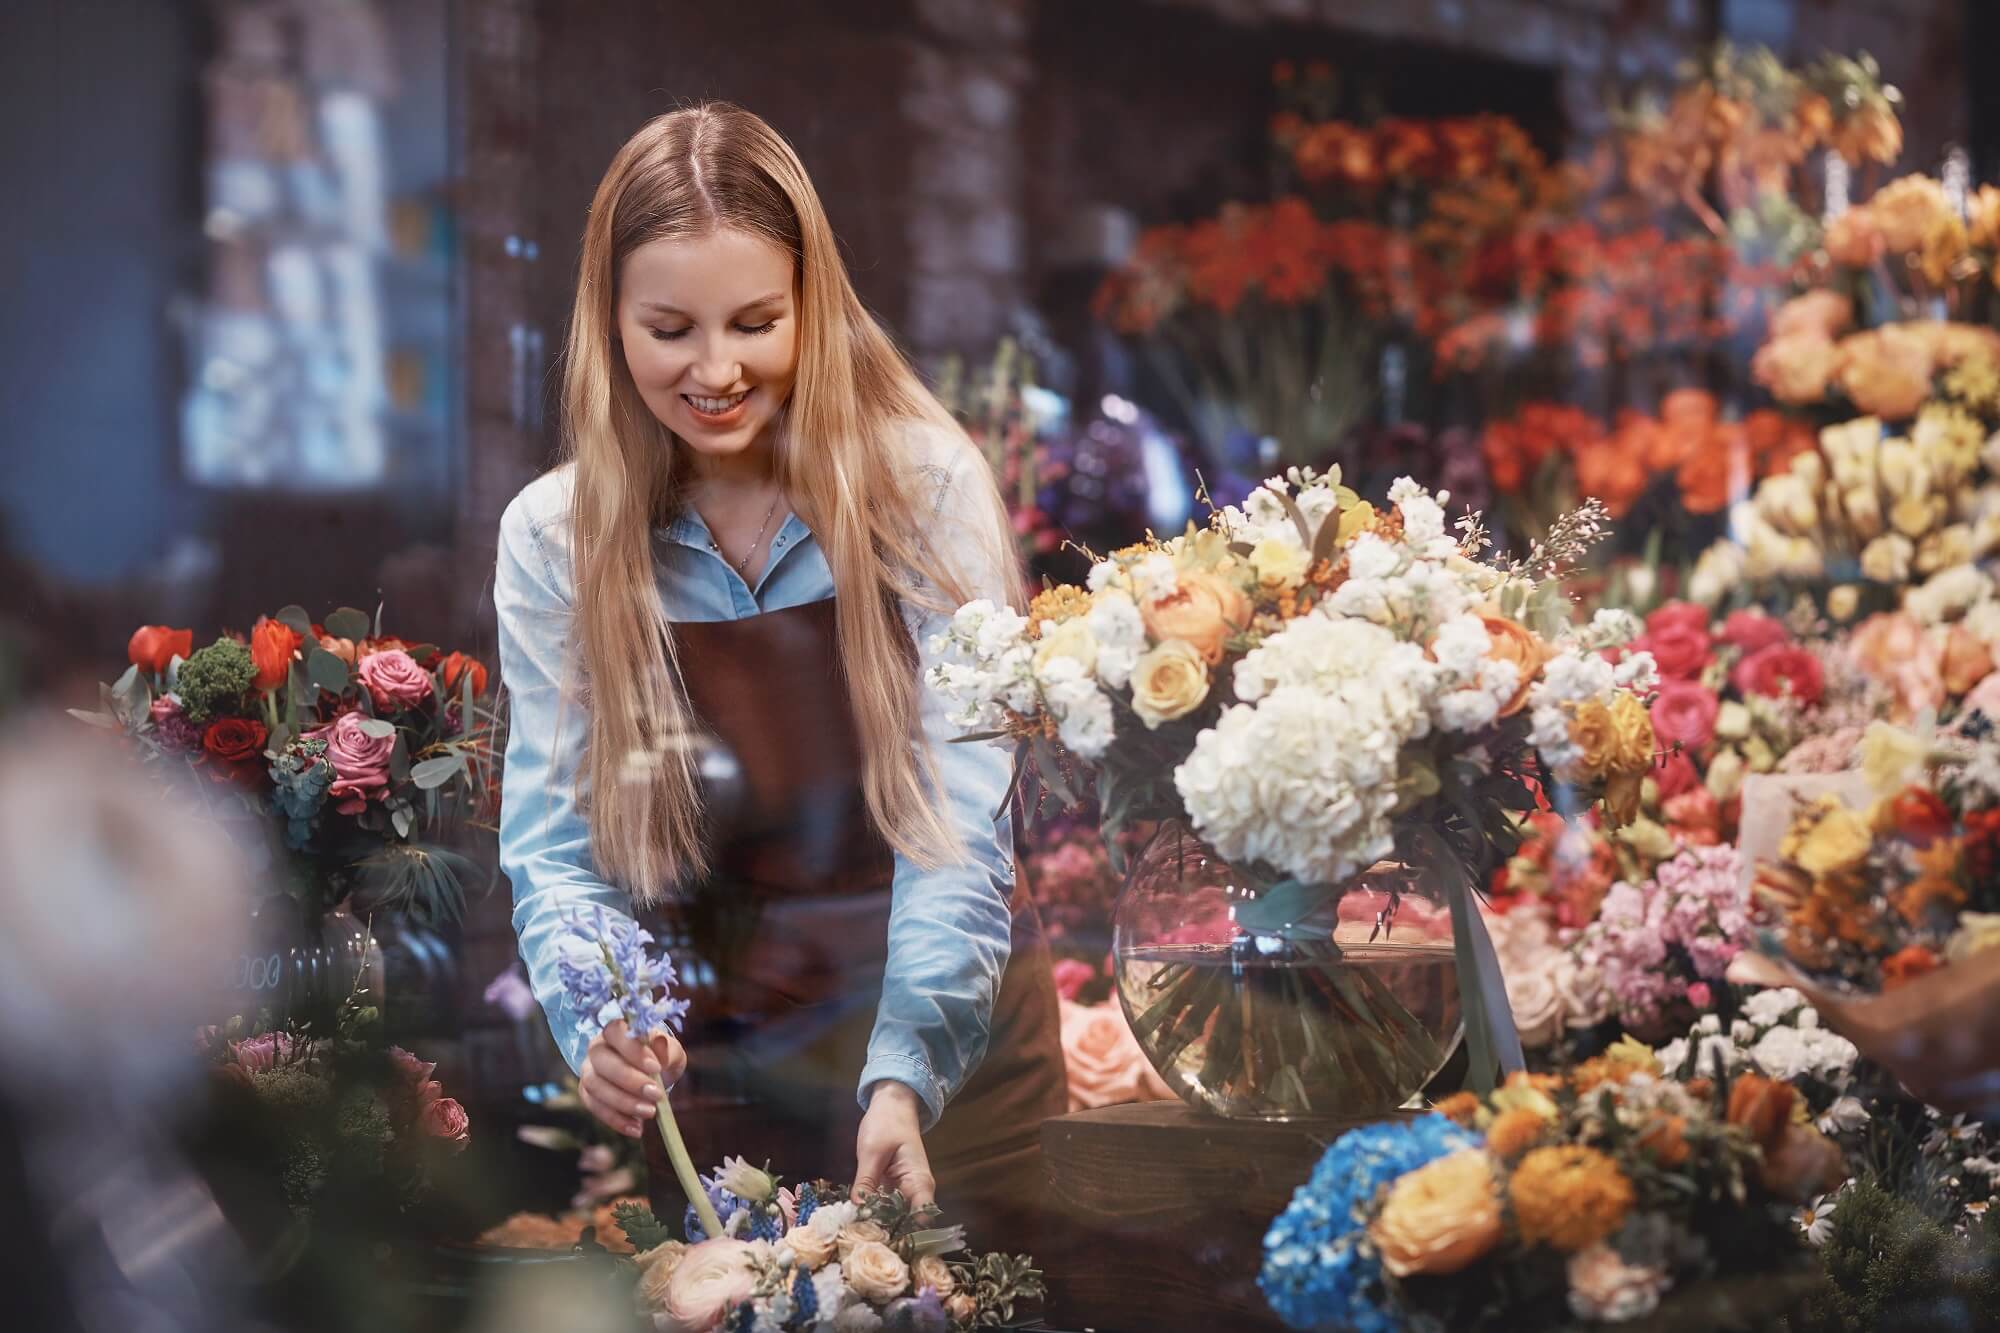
{"points": [[456, 665], [1761, 1107], [1853, 240], [1461, 1107], [272, 644], [1514, 1132], [1886, 371], [1906, 965], [1569, 1197], [1966, 659], [153, 647], [1666, 1140], [1516, 643]]}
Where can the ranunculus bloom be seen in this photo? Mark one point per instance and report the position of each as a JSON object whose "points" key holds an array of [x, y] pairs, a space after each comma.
{"points": [[153, 647], [1751, 630], [446, 1119], [1514, 642], [1825, 313], [272, 643], [1779, 669], [360, 763], [1072, 975], [710, 1281], [456, 665], [1892, 648], [394, 680], [1202, 612], [1440, 1217], [1680, 650], [1677, 615], [1103, 1060], [1605, 1289], [1684, 712], [237, 742], [876, 1272]]}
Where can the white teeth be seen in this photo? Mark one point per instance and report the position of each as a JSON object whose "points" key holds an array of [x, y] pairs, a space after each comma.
{"points": [[715, 406]]}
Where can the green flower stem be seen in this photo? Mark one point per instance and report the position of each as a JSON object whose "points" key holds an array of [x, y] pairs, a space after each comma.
{"points": [[684, 1166]]}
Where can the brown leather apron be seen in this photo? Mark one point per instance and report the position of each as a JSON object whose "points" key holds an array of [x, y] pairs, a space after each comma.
{"points": [[783, 950]]}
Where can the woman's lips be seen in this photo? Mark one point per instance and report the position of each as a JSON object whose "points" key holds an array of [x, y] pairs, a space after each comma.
{"points": [[729, 416]]}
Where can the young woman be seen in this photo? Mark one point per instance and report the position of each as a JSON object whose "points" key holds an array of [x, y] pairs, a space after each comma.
{"points": [[713, 618]]}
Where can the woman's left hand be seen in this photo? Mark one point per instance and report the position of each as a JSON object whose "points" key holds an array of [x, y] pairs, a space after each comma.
{"points": [[889, 1150]]}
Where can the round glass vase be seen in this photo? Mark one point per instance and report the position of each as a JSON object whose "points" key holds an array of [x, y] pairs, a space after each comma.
{"points": [[1346, 1014]]}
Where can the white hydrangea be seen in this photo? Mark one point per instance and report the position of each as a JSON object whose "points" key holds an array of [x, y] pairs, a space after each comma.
{"points": [[1121, 636], [1792, 1052]]}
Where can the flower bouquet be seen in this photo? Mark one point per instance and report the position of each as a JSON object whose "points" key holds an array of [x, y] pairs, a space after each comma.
{"points": [[1555, 1200], [1311, 687], [355, 748], [811, 1258]]}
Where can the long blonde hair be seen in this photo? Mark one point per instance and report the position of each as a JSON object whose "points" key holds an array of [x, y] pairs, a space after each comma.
{"points": [[842, 458]]}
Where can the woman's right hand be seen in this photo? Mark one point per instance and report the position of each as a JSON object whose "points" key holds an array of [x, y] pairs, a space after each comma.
{"points": [[622, 1076]]}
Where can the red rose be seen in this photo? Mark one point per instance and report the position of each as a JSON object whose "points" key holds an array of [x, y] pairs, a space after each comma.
{"points": [[272, 643], [153, 647], [1677, 616], [1680, 650], [1777, 669], [446, 1119], [1918, 815], [235, 741], [1752, 630], [1675, 774], [1684, 711], [456, 665]]}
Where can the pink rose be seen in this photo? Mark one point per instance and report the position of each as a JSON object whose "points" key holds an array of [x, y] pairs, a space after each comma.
{"points": [[1675, 773], [1779, 669], [1684, 711], [265, 1051], [1680, 650], [360, 762], [446, 1119], [1699, 995], [1751, 629], [1072, 975], [413, 1070], [394, 680], [710, 1280], [1677, 615], [1106, 1066]]}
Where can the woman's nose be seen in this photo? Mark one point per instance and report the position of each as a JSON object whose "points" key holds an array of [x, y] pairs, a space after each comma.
{"points": [[716, 376]]}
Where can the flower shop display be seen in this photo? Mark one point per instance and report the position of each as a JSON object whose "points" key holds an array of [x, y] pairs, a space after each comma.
{"points": [[812, 1258], [1302, 691], [1554, 1201], [352, 752], [1102, 1060]]}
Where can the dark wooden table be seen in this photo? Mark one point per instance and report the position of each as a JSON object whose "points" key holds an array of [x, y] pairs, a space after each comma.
{"points": [[1165, 1209]]}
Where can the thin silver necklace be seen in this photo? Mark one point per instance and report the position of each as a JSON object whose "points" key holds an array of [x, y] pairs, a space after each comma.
{"points": [[742, 566]]}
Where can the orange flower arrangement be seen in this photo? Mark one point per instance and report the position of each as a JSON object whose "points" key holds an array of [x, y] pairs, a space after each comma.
{"points": [[1569, 1197]]}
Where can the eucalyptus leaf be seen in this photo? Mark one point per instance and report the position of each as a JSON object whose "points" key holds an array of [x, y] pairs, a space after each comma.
{"points": [[348, 623], [436, 772], [1283, 906], [376, 729], [404, 820], [295, 618], [105, 720], [326, 671], [399, 761], [378, 618]]}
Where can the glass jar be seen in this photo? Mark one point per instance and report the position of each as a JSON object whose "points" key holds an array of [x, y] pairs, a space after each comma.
{"points": [[1346, 1014]]}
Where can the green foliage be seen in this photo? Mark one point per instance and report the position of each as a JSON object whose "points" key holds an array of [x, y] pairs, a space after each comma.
{"points": [[1890, 1266], [644, 1230], [215, 679], [999, 1282]]}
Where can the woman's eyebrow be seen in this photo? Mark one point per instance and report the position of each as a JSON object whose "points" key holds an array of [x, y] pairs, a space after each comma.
{"points": [[661, 308]]}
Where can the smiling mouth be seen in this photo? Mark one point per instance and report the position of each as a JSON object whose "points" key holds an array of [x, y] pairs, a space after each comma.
{"points": [[715, 407]]}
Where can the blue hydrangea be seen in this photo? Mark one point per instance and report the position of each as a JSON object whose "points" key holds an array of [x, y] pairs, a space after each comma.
{"points": [[608, 972], [1320, 1271]]}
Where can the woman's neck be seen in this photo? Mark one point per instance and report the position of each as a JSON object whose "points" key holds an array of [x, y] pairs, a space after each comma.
{"points": [[751, 470]]}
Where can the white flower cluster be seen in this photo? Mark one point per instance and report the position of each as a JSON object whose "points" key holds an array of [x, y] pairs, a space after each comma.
{"points": [[1778, 1035], [1263, 516], [1574, 676], [989, 665]]}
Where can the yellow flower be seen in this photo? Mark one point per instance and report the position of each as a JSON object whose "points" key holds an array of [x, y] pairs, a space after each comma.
{"points": [[1826, 838], [1632, 741], [1843, 601], [1439, 1218], [1069, 638], [1977, 932], [1888, 756], [1634, 1054], [1279, 565], [1056, 605], [1887, 558], [1356, 520], [1590, 730], [1168, 682], [1569, 1197]]}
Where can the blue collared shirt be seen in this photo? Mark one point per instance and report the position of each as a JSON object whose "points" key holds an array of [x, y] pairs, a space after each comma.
{"points": [[949, 928]]}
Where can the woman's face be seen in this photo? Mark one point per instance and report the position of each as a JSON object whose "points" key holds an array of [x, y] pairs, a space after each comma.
{"points": [[710, 332]]}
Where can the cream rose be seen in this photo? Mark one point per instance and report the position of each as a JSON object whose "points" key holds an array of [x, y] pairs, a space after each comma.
{"points": [[1279, 565], [1169, 681], [709, 1281], [1104, 1064], [1202, 611], [875, 1271], [813, 1248], [933, 1272], [856, 1234], [1071, 639], [1440, 1217]]}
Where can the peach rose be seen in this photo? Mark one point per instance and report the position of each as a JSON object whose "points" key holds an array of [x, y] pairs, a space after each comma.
{"points": [[856, 1234], [1886, 371], [1967, 660], [1632, 742], [813, 1248], [709, 1281], [340, 648], [1796, 369], [1604, 1288], [1819, 313], [1514, 642], [1853, 240], [1168, 681], [1103, 1059], [876, 1272], [1202, 612], [1440, 1217], [933, 1272], [1983, 218], [1905, 210]]}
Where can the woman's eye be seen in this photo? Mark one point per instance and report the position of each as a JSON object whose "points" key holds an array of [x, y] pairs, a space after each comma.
{"points": [[668, 335], [765, 327]]}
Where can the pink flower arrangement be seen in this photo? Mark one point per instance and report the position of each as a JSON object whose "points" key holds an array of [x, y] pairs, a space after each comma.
{"points": [[1654, 941], [360, 762], [394, 680]]}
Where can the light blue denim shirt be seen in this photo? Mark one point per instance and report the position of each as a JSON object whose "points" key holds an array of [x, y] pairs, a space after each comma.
{"points": [[949, 928]]}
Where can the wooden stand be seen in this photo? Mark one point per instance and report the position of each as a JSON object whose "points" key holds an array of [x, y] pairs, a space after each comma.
{"points": [[1164, 1210]]}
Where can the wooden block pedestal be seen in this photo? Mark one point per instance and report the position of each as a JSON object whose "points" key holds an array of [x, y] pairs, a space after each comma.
{"points": [[1163, 1210]]}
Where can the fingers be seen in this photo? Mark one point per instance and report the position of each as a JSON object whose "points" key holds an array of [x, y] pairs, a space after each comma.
{"points": [[620, 1118], [671, 1055], [919, 1187], [614, 1087], [633, 1051], [871, 1161]]}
